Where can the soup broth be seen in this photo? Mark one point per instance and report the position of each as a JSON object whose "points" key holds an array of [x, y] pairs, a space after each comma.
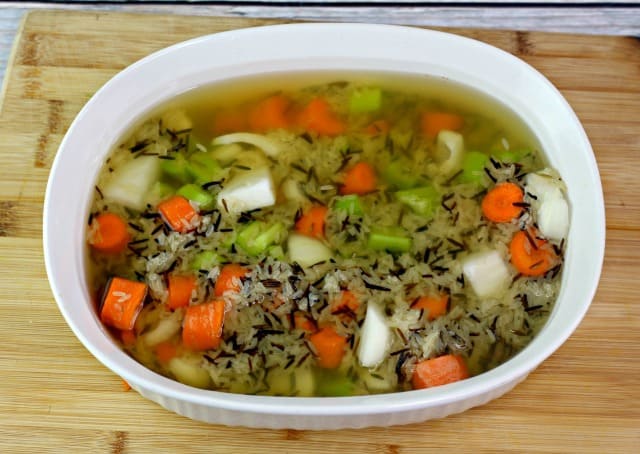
{"points": [[326, 234]]}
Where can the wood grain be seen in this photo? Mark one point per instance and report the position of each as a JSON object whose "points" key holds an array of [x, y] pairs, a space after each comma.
{"points": [[54, 396]]}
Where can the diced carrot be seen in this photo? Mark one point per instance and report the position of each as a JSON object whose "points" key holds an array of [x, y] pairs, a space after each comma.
{"points": [[359, 179], [202, 327], [304, 322], [128, 337], [270, 113], [439, 371], [530, 255], [178, 213], [125, 386], [329, 346], [230, 279], [317, 117], [432, 123], [180, 289], [229, 121], [435, 305], [502, 203], [109, 234], [312, 222], [122, 302], [166, 351], [347, 303], [377, 127]]}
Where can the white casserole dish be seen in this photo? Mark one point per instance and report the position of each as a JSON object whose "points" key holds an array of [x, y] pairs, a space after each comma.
{"points": [[172, 71]]}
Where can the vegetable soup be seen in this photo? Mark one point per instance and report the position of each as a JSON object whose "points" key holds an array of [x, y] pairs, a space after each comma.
{"points": [[323, 234]]}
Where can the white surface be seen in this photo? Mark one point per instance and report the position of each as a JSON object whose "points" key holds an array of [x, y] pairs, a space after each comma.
{"points": [[286, 48]]}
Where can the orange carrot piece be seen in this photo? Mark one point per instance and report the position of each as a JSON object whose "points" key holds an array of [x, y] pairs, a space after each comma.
{"points": [[435, 306], [347, 303], [178, 213], [229, 121], [202, 326], [317, 117], [330, 347], [439, 371], [166, 351], [377, 127], [432, 123], [359, 179], [128, 337], [109, 234], [230, 279], [270, 113], [122, 302], [125, 386], [530, 255], [303, 322], [312, 222], [180, 289], [500, 203]]}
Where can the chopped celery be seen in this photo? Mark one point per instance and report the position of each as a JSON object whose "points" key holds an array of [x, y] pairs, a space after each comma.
{"points": [[350, 204], [159, 191], [203, 168], [473, 163], [389, 239], [205, 260], [399, 174], [365, 100], [423, 200], [331, 383], [276, 252], [256, 237], [176, 168], [195, 193]]}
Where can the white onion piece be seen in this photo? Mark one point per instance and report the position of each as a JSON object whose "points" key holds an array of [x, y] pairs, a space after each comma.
{"points": [[269, 146], [248, 191], [307, 251], [374, 338], [486, 272], [449, 150]]}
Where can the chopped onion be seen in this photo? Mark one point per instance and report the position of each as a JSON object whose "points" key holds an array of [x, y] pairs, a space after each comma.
{"points": [[269, 146]]}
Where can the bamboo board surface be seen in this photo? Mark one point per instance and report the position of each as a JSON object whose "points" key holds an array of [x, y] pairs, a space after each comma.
{"points": [[54, 396]]}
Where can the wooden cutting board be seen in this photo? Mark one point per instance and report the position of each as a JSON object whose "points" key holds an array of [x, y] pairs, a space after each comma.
{"points": [[55, 396]]}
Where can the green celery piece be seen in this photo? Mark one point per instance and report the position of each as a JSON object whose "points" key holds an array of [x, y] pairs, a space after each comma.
{"points": [[332, 384], [195, 193], [205, 260], [423, 200], [473, 164], [400, 175], [276, 252], [350, 204], [159, 191], [365, 100], [176, 168], [203, 168], [257, 236], [389, 239], [248, 234]]}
